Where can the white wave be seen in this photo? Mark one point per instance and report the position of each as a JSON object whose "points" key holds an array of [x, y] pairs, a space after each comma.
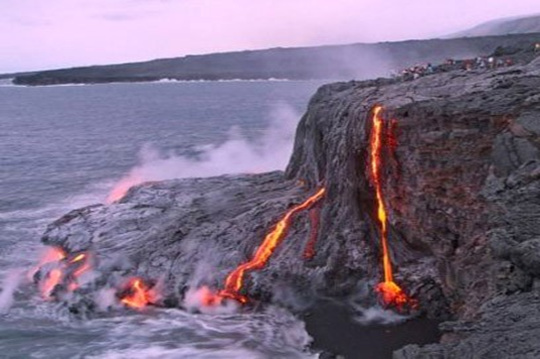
{"points": [[160, 352], [173, 333], [271, 79]]}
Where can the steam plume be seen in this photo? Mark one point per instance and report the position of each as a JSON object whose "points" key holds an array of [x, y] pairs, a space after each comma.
{"points": [[236, 155]]}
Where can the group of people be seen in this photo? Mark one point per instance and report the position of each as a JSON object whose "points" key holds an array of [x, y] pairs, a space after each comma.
{"points": [[414, 72], [417, 71], [497, 60]]}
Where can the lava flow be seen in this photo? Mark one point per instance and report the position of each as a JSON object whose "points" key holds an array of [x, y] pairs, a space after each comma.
{"points": [[80, 270], [235, 279], [314, 217], [139, 294], [52, 256], [57, 269], [390, 293]]}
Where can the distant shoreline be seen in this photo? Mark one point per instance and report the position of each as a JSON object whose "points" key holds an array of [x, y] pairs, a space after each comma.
{"points": [[9, 82], [325, 63]]}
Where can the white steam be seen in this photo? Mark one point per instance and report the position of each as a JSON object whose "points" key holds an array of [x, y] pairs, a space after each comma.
{"points": [[377, 315], [205, 301], [10, 284], [236, 155]]}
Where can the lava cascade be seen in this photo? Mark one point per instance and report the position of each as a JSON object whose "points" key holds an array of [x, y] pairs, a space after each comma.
{"points": [[390, 293], [235, 280]]}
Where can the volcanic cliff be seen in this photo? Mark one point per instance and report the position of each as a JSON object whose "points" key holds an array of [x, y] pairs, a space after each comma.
{"points": [[461, 185]]}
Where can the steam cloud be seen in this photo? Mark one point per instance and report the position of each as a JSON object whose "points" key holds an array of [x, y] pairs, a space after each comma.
{"points": [[236, 155], [9, 285], [197, 300]]}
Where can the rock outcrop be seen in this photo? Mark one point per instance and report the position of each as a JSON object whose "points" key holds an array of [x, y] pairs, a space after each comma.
{"points": [[462, 188]]}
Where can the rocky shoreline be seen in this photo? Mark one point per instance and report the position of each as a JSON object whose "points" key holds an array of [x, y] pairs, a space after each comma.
{"points": [[461, 184]]}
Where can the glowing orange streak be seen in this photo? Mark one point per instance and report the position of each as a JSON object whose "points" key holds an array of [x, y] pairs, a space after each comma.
{"points": [[235, 279], [85, 267], [376, 164], [79, 258], [391, 294], [53, 278], [139, 297], [309, 250]]}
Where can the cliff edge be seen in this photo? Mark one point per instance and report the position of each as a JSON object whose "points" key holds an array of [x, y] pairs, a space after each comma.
{"points": [[460, 181]]}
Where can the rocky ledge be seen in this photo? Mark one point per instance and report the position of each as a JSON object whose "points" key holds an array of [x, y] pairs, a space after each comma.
{"points": [[462, 193]]}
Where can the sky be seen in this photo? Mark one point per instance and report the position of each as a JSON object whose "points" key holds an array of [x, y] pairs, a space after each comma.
{"points": [[45, 34]]}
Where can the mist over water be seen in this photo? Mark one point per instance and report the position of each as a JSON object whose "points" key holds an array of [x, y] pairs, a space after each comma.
{"points": [[238, 154], [67, 147]]}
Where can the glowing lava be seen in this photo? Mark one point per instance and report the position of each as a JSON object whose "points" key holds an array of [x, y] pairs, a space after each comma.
{"points": [[60, 270], [54, 277], [83, 268], [53, 254], [309, 250], [390, 293], [122, 187], [235, 279], [139, 296]]}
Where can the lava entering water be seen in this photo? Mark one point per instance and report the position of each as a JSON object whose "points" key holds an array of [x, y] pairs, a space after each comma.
{"points": [[58, 269], [235, 279], [139, 294], [390, 293], [52, 256]]}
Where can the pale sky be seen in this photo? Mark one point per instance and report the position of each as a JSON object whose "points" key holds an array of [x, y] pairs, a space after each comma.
{"points": [[40, 34]]}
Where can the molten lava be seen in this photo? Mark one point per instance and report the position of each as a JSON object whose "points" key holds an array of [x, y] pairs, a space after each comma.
{"points": [[235, 280], [314, 215], [60, 270], [53, 254], [390, 293], [54, 277], [122, 187], [82, 268], [83, 262], [139, 294]]}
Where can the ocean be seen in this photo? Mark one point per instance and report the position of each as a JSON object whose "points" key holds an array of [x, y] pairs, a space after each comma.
{"points": [[65, 147]]}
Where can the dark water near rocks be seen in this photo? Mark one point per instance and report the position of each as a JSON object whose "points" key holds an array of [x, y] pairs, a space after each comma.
{"points": [[65, 147]]}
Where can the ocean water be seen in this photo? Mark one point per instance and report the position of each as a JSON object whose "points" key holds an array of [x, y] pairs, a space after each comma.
{"points": [[69, 146]]}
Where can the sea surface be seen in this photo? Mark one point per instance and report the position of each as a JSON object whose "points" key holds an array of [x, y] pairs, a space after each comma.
{"points": [[65, 147]]}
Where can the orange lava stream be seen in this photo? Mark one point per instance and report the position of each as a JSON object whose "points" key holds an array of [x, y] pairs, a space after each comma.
{"points": [[140, 295], [309, 250], [390, 293], [235, 279], [53, 279], [82, 269]]}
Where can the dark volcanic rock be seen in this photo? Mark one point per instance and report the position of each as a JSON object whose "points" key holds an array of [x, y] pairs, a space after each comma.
{"points": [[462, 188], [508, 328], [192, 232]]}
